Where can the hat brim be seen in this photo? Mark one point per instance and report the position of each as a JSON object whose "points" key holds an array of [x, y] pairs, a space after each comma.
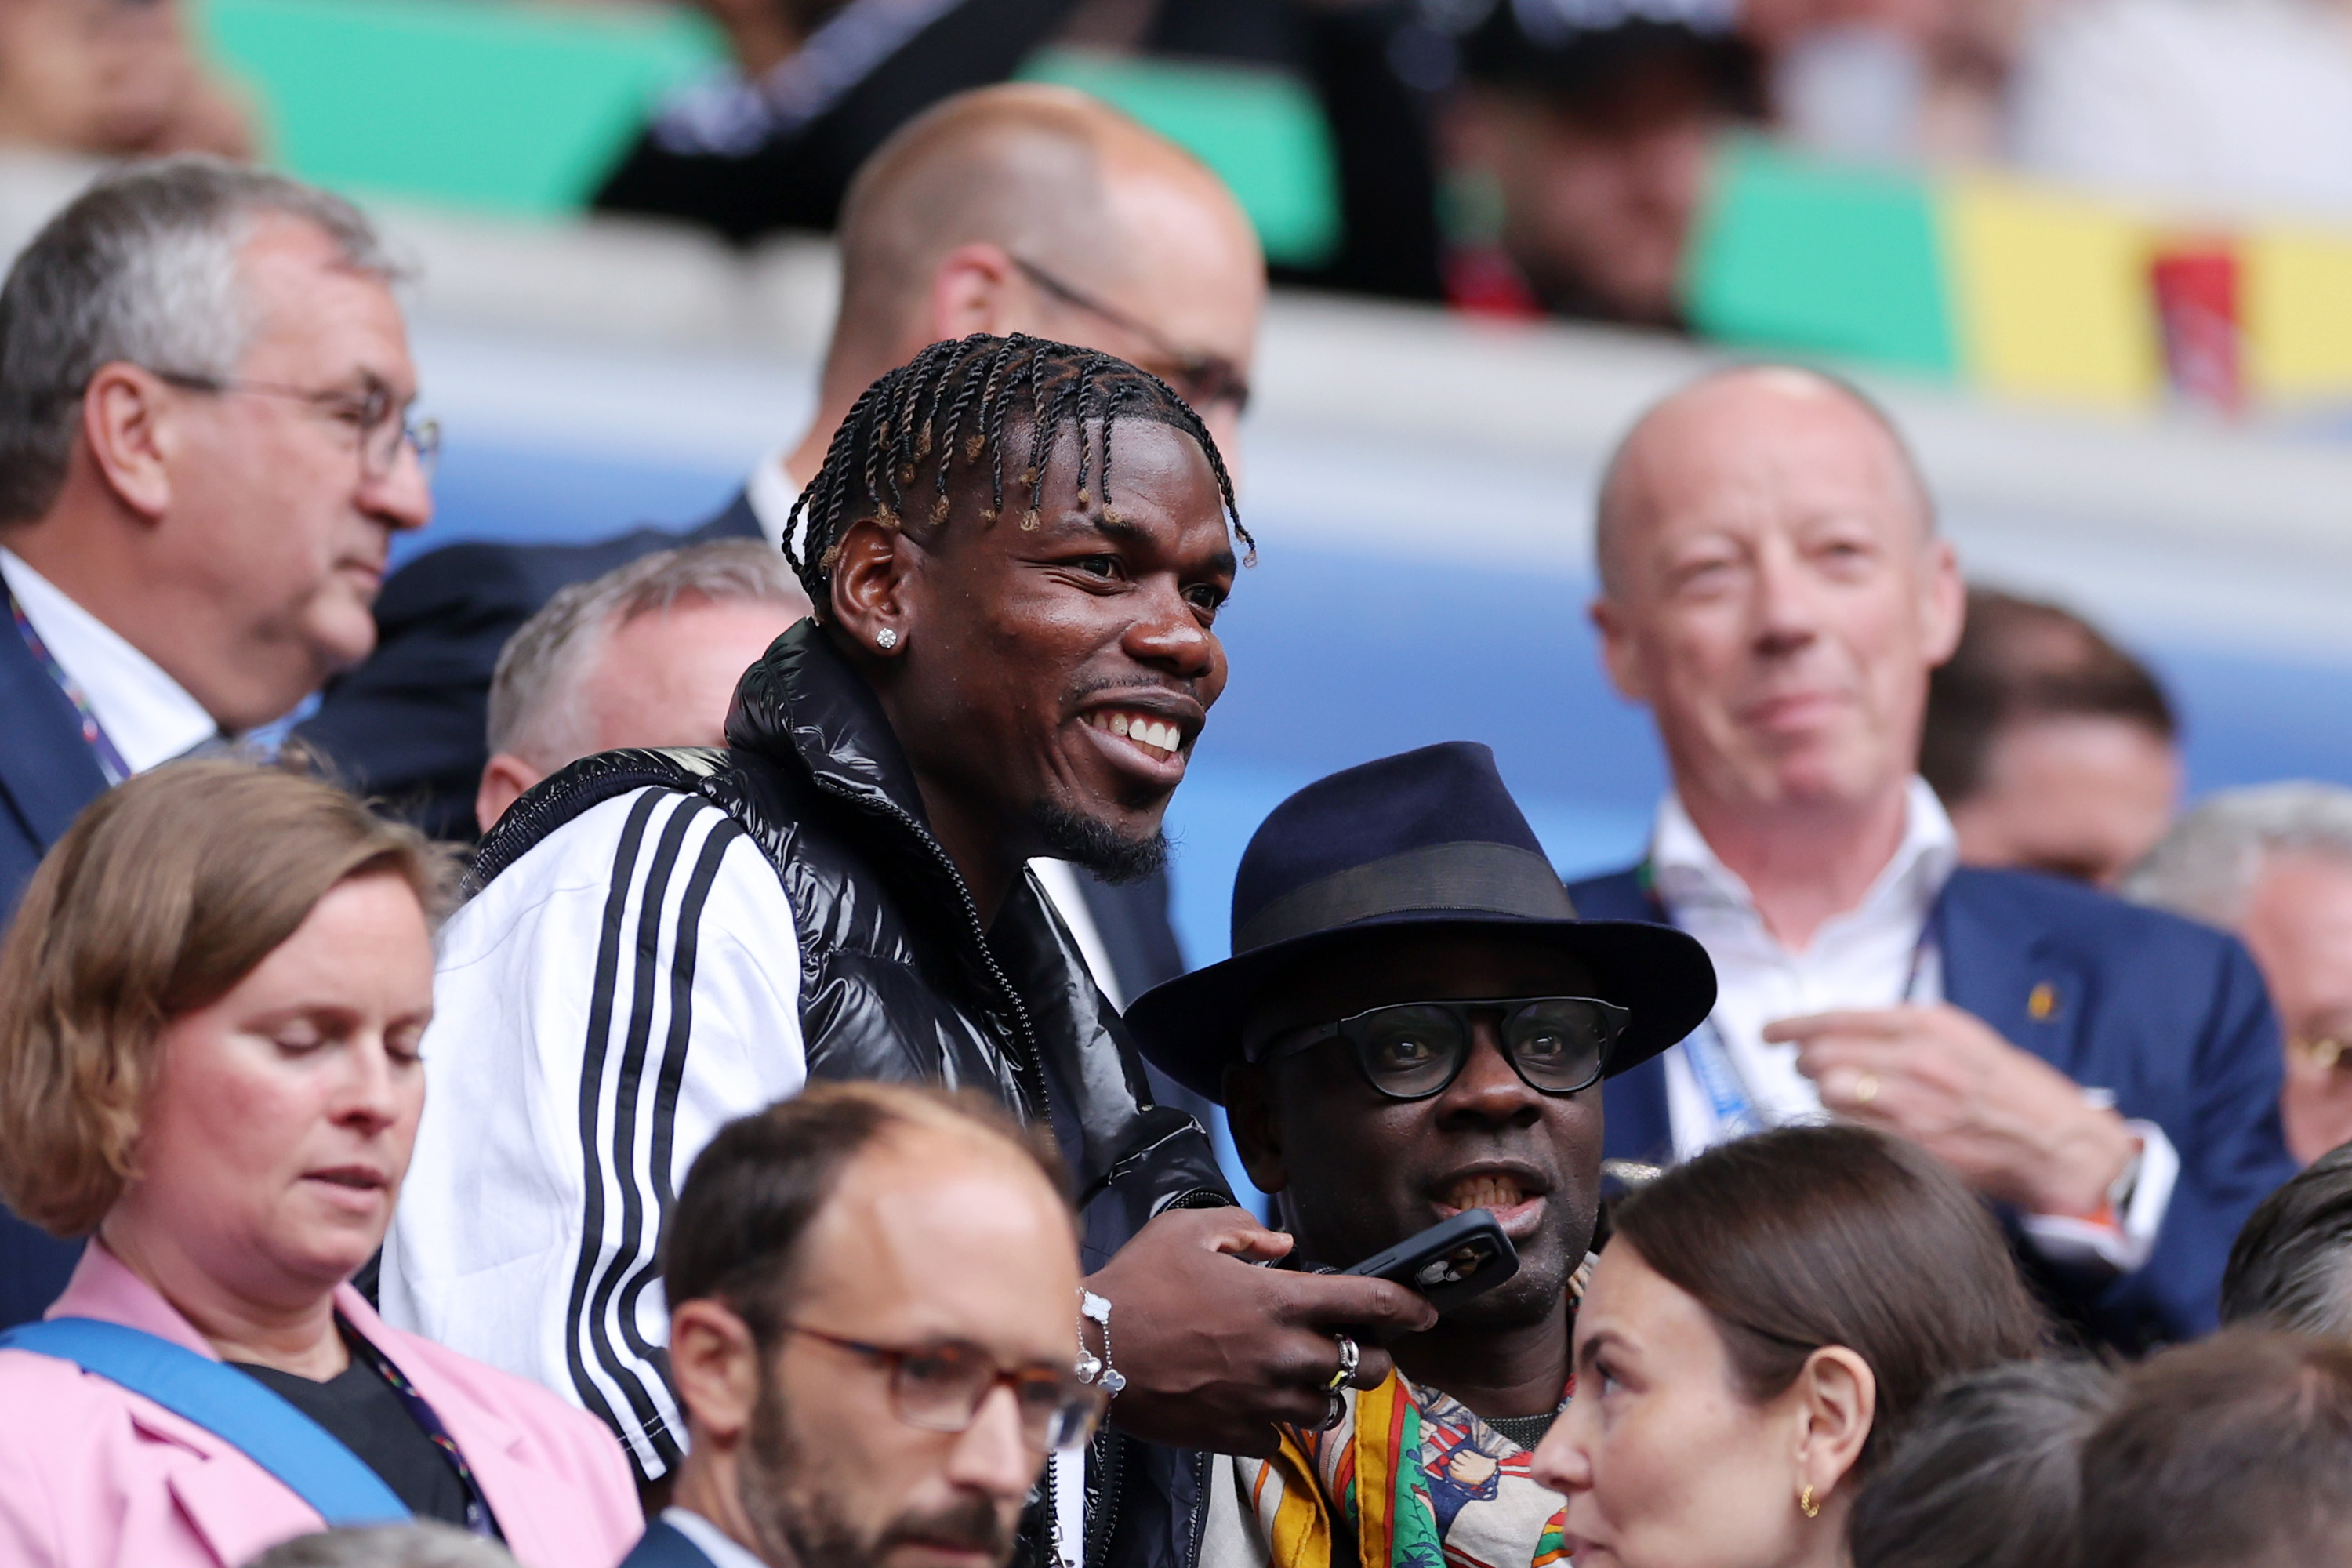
{"points": [[1190, 1026]]}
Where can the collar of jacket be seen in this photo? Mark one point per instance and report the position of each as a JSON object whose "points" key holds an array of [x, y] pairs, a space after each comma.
{"points": [[803, 706], [804, 697]]}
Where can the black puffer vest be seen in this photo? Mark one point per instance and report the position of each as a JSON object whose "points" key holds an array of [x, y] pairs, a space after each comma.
{"points": [[898, 981]]}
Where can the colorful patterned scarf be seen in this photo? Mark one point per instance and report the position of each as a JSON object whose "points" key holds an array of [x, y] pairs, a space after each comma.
{"points": [[1414, 1478]]}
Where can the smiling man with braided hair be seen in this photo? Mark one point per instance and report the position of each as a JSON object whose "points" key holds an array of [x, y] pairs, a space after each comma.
{"points": [[1017, 550]]}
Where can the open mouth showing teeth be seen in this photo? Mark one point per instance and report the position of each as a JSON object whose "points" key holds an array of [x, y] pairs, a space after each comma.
{"points": [[1155, 738], [1484, 1192]]}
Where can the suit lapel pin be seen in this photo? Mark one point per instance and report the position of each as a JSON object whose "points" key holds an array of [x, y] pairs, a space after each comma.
{"points": [[2042, 1002]]}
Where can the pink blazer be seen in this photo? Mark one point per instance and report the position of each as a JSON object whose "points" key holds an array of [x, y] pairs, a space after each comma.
{"points": [[94, 1477]]}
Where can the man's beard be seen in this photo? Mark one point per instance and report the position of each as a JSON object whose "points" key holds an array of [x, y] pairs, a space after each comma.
{"points": [[797, 1525], [1108, 854]]}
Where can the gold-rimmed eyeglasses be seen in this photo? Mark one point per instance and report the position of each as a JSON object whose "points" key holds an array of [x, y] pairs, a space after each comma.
{"points": [[2328, 1053], [374, 414]]}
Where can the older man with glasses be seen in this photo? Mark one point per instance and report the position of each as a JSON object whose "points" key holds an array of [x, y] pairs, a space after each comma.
{"points": [[204, 456], [873, 1335]]}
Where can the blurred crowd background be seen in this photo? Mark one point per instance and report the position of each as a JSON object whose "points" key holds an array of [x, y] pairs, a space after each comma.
{"points": [[2096, 255], [2107, 202]]}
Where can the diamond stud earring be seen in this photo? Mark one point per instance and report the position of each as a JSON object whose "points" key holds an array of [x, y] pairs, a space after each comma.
{"points": [[886, 639]]}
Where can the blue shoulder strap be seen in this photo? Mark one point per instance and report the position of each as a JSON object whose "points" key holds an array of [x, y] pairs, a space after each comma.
{"points": [[312, 1462]]}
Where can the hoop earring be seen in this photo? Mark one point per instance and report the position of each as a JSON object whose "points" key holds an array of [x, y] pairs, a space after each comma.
{"points": [[1805, 1503]]}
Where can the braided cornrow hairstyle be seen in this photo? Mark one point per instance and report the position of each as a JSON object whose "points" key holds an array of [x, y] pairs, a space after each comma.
{"points": [[955, 405]]}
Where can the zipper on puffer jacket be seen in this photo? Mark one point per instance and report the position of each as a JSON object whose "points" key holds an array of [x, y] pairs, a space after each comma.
{"points": [[1026, 1065], [1102, 1520]]}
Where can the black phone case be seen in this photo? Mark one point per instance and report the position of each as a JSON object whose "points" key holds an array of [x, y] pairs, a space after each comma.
{"points": [[1451, 1262]]}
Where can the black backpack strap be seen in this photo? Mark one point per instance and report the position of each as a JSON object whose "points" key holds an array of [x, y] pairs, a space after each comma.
{"points": [[590, 781]]}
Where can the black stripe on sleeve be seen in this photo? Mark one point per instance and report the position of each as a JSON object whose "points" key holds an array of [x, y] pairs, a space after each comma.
{"points": [[631, 1377], [666, 1086], [592, 1075]]}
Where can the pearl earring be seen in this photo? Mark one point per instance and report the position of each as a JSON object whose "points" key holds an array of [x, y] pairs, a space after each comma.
{"points": [[886, 639]]}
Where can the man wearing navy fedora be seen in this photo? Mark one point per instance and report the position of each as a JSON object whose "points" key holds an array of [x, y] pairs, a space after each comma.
{"points": [[1414, 1023], [1774, 589]]}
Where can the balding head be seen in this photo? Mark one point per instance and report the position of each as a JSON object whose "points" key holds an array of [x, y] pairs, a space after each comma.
{"points": [[940, 222], [1718, 409], [1773, 588]]}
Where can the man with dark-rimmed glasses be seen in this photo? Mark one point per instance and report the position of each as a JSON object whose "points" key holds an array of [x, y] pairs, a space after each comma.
{"points": [[204, 456], [1415, 1024], [872, 1335]]}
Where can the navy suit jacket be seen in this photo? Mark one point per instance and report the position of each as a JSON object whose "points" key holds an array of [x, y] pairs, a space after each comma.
{"points": [[2168, 1015], [47, 774], [407, 726], [664, 1546]]}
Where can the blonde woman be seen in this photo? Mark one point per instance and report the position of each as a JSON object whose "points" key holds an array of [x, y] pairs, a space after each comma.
{"points": [[210, 1008]]}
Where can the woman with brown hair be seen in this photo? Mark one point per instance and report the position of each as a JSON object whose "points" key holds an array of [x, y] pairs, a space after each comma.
{"points": [[210, 1008], [1763, 1321]]}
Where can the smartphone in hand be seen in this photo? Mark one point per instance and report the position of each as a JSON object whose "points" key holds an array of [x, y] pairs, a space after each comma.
{"points": [[1450, 1262]]}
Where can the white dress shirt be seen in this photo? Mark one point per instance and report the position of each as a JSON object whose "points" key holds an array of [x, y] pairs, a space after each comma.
{"points": [[771, 491], [149, 716], [713, 1542], [1876, 955]]}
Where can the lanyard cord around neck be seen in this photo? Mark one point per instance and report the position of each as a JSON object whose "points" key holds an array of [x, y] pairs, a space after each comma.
{"points": [[1736, 1110], [110, 758], [478, 1519]]}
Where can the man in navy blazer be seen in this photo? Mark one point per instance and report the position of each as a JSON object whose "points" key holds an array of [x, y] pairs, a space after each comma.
{"points": [[47, 774], [48, 771], [1772, 587], [189, 539]]}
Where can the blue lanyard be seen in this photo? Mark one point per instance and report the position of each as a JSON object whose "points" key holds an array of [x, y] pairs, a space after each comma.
{"points": [[478, 1519], [110, 759], [1736, 1114]]}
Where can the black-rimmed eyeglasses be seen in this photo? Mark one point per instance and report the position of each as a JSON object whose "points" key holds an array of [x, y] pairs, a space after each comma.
{"points": [[940, 1388], [375, 416], [1412, 1050], [1205, 380]]}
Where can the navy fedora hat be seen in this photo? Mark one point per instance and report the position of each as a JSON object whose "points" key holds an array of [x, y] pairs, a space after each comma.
{"points": [[1428, 839]]}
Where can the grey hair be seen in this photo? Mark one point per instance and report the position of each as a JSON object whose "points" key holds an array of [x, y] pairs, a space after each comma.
{"points": [[421, 1545], [535, 692], [2205, 866], [140, 268], [2291, 1266], [1988, 1473]]}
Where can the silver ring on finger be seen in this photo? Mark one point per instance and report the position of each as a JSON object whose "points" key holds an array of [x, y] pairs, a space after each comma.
{"points": [[1351, 1358], [1337, 1414]]}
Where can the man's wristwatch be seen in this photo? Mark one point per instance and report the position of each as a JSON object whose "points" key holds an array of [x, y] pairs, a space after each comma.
{"points": [[1092, 1368]]}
